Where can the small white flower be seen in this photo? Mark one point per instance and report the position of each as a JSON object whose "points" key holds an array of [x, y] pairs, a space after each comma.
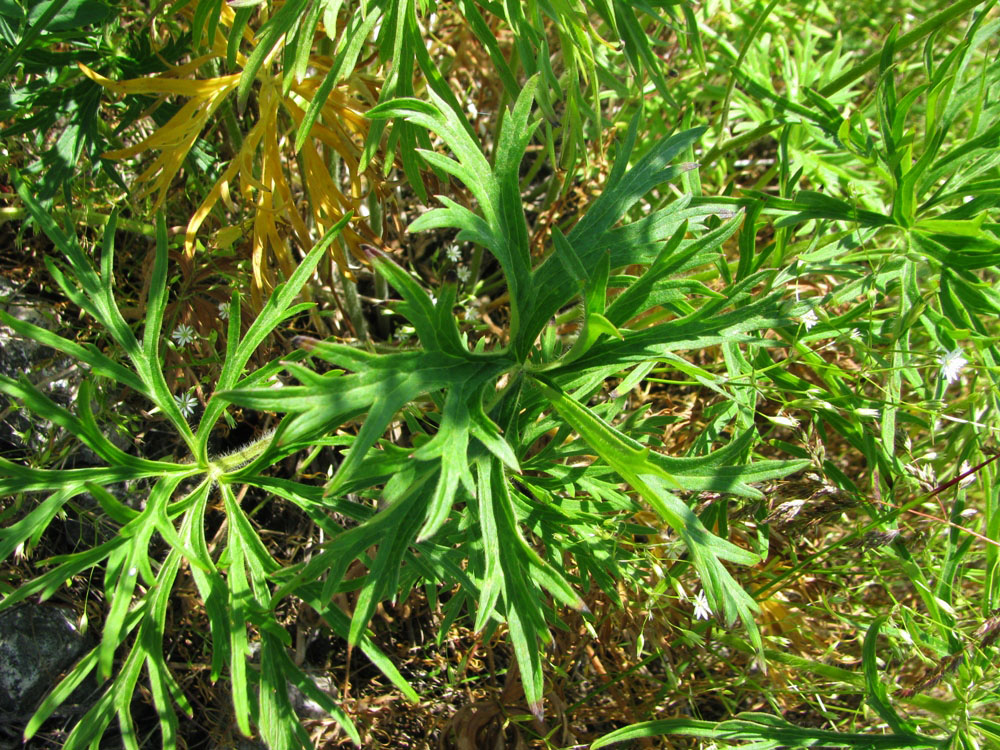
{"points": [[453, 254], [186, 402], [464, 273], [924, 474], [701, 609], [224, 310], [856, 335], [971, 479], [952, 365], [809, 319], [785, 420], [184, 335]]}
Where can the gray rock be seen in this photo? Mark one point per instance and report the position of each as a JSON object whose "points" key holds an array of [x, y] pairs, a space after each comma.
{"points": [[38, 643]]}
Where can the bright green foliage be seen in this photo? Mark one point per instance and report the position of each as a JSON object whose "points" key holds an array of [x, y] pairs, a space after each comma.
{"points": [[571, 93], [823, 309], [460, 477], [234, 587], [50, 108]]}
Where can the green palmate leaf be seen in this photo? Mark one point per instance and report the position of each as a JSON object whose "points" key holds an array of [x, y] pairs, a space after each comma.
{"points": [[305, 684], [645, 472], [279, 726], [705, 327], [94, 293], [279, 307], [450, 447], [496, 188], [239, 595], [551, 286], [33, 524], [137, 582], [383, 385], [166, 692], [125, 565], [98, 362], [434, 322]]}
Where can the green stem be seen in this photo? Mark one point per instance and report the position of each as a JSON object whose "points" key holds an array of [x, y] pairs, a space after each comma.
{"points": [[232, 461], [352, 304]]}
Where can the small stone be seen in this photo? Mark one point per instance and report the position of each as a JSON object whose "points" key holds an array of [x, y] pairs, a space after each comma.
{"points": [[38, 643]]}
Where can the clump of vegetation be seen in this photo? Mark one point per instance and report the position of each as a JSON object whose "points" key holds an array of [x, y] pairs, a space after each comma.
{"points": [[648, 353]]}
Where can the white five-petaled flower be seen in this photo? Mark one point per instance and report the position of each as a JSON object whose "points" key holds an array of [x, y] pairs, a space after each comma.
{"points": [[952, 365], [224, 311], [701, 609], [463, 273], [184, 335], [453, 254], [186, 402], [809, 319]]}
